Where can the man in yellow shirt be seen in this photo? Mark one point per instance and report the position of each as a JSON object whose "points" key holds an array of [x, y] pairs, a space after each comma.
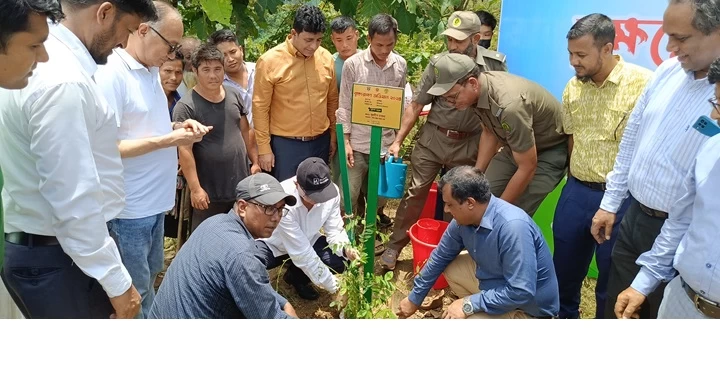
{"points": [[295, 98], [596, 105]]}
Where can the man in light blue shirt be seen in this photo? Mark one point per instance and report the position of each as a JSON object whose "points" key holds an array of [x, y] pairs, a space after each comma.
{"points": [[687, 244], [507, 271]]}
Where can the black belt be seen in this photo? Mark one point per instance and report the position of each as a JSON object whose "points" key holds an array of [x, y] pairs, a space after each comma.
{"points": [[653, 213], [705, 306], [27, 239], [593, 185], [306, 139]]}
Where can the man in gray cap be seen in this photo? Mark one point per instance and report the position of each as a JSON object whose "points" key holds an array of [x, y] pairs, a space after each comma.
{"points": [[218, 273], [519, 115], [314, 257], [450, 137]]}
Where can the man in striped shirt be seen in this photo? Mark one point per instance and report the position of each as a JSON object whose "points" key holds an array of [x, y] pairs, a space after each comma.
{"points": [[659, 144], [596, 105]]}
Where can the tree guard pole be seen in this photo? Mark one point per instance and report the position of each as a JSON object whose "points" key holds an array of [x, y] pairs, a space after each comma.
{"points": [[344, 178], [372, 203]]}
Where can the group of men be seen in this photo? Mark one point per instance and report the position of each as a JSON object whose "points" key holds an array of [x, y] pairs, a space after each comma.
{"points": [[86, 201]]}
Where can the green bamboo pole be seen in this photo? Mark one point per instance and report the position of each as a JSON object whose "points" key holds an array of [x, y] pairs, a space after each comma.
{"points": [[342, 163], [372, 202]]}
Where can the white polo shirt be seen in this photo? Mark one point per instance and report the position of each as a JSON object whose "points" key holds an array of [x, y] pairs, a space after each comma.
{"points": [[58, 151], [140, 105]]}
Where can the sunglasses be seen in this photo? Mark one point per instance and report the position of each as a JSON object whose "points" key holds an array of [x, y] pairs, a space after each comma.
{"points": [[173, 48]]}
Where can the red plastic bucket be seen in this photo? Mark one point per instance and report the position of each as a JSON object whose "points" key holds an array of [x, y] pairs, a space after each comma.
{"points": [[422, 249], [429, 208], [429, 231]]}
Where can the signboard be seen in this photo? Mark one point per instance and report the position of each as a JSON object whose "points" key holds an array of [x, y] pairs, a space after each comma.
{"points": [[533, 35], [374, 105]]}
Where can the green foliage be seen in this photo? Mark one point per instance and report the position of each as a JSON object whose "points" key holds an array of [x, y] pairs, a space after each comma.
{"points": [[355, 284]]}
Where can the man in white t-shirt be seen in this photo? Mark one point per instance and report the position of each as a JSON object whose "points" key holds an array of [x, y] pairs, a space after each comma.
{"points": [[313, 256], [148, 145]]}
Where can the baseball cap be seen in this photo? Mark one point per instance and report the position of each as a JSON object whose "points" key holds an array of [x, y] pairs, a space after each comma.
{"points": [[449, 69], [313, 176], [462, 24], [264, 189]]}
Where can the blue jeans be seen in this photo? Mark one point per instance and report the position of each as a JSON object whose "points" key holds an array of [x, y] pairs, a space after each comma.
{"points": [[575, 246], [140, 242]]}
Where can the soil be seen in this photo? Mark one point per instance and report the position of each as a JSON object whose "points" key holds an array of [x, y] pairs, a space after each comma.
{"points": [[403, 276]]}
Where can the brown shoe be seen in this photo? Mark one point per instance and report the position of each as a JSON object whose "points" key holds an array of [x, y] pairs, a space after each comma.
{"points": [[379, 248], [389, 259]]}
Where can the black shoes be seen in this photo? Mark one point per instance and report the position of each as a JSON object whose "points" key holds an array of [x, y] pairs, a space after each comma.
{"points": [[305, 291]]}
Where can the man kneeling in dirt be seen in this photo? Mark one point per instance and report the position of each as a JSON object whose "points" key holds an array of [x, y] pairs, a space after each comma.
{"points": [[507, 270], [313, 257], [217, 273]]}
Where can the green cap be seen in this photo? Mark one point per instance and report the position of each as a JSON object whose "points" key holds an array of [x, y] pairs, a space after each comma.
{"points": [[462, 24], [448, 70]]}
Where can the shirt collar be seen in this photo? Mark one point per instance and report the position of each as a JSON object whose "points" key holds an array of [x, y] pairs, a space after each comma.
{"points": [[292, 50], [616, 73], [487, 219], [368, 57], [128, 60], [73, 43], [484, 95], [479, 59]]}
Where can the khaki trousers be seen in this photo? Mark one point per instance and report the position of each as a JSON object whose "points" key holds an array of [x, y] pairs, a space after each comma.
{"points": [[460, 275]]}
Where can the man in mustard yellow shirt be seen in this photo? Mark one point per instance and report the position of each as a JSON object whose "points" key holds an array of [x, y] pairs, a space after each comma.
{"points": [[596, 105], [295, 98]]}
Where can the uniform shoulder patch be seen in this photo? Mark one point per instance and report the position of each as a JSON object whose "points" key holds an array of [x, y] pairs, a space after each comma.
{"points": [[506, 126]]}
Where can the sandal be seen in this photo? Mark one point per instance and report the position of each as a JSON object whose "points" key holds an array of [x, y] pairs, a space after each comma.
{"points": [[389, 258]]}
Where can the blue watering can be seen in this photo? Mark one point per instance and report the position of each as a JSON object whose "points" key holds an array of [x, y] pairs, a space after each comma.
{"points": [[392, 178]]}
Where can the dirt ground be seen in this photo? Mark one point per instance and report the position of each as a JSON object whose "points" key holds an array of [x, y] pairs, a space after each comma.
{"points": [[403, 276]]}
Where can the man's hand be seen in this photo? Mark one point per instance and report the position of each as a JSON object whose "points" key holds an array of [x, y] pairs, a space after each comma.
{"points": [[602, 225], [333, 148], [183, 137], [349, 155], [394, 149], [126, 305], [406, 308], [351, 254], [267, 161], [455, 310], [290, 310], [199, 199], [255, 169], [628, 303], [196, 127]]}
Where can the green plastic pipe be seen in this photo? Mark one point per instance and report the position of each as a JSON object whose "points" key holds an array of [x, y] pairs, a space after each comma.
{"points": [[344, 179], [372, 203]]}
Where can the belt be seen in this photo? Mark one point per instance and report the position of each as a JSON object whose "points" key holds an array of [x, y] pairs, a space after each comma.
{"points": [[653, 213], [306, 139], [705, 306], [27, 239], [593, 185], [454, 134]]}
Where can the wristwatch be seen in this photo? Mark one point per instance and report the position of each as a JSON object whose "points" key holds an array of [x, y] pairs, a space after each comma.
{"points": [[467, 307]]}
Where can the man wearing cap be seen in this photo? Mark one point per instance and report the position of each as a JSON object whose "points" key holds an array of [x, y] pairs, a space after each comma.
{"points": [[519, 115], [450, 137], [217, 274], [313, 256]]}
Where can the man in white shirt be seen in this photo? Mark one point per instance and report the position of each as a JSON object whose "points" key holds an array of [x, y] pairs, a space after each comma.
{"points": [[313, 256], [148, 144], [64, 174], [23, 26], [686, 252], [239, 73], [659, 144]]}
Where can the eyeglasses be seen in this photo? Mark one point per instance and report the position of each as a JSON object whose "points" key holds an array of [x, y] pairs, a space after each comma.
{"points": [[173, 48], [272, 210], [715, 104], [453, 99]]}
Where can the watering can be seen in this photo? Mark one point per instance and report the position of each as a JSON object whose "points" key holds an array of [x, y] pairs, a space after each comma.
{"points": [[392, 178]]}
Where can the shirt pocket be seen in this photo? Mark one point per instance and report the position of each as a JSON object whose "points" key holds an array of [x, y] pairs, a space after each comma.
{"points": [[613, 124]]}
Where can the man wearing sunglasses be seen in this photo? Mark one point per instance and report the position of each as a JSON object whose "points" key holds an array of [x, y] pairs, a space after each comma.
{"points": [[218, 273], [148, 144], [313, 256]]}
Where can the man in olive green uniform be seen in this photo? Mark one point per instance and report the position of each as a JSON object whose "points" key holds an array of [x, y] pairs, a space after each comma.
{"points": [[519, 115], [449, 138]]}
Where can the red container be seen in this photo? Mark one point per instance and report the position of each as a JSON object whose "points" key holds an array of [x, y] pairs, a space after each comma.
{"points": [[429, 231], [430, 203], [422, 250]]}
